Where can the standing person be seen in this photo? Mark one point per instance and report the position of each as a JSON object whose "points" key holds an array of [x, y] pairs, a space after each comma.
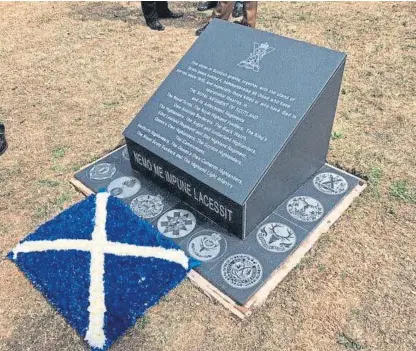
{"points": [[154, 10], [225, 8], [3, 142]]}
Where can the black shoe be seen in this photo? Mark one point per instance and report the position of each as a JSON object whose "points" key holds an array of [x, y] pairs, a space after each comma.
{"points": [[171, 15], [238, 9], [206, 5], [200, 30], [3, 142], [155, 25], [245, 24]]}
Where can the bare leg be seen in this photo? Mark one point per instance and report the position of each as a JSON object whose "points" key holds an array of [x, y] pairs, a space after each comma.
{"points": [[223, 10], [249, 13]]}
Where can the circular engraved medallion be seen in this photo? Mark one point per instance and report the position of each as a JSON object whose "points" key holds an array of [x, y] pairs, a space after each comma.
{"points": [[176, 223], [102, 171], [305, 208], [330, 183], [124, 187], [125, 153], [147, 206], [207, 245], [276, 237], [241, 271]]}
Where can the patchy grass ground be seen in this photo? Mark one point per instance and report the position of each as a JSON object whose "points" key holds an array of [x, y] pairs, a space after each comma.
{"points": [[74, 74]]}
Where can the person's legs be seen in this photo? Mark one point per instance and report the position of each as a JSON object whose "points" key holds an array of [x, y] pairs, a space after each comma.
{"points": [[150, 15], [163, 11], [149, 10], [3, 142], [238, 9], [162, 8], [222, 11], [249, 13]]}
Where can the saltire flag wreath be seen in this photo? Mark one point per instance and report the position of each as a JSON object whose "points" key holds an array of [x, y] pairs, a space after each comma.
{"points": [[101, 266]]}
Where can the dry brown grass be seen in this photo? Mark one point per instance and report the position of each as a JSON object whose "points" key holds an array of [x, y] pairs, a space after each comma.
{"points": [[73, 75]]}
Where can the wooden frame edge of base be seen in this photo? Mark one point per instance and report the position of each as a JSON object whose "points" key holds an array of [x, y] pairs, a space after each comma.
{"points": [[212, 292], [80, 187]]}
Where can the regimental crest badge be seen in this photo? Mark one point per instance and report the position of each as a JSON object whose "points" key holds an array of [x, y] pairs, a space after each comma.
{"points": [[276, 237], [147, 206], [207, 245], [253, 61], [124, 187], [330, 183], [176, 223], [102, 171], [241, 271], [305, 208]]}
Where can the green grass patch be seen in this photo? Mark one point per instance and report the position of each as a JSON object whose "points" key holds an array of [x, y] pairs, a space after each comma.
{"points": [[401, 191], [42, 212], [7, 174], [374, 178], [61, 199], [304, 263], [57, 168], [321, 267], [142, 322], [348, 342], [48, 183], [110, 104], [337, 135], [59, 152], [76, 167]]}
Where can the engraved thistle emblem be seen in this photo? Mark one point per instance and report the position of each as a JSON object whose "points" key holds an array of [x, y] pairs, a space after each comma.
{"points": [[205, 247], [253, 61]]}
